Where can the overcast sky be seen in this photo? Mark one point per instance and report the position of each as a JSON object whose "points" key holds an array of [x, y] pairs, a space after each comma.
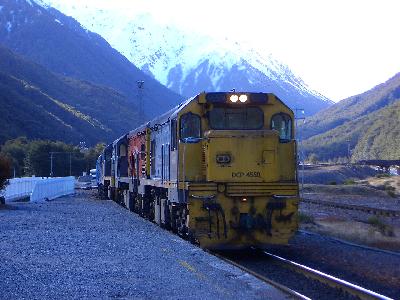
{"points": [[339, 47]]}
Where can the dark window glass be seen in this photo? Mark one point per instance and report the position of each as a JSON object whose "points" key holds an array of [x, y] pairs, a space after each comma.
{"points": [[283, 124], [190, 126], [142, 151], [153, 157], [236, 118], [173, 135]]}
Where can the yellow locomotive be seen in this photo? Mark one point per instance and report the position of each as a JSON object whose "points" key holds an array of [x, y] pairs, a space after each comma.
{"points": [[219, 168]]}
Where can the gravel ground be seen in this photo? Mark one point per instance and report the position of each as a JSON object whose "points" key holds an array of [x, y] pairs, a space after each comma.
{"points": [[323, 174], [354, 225], [79, 247], [326, 212], [384, 202]]}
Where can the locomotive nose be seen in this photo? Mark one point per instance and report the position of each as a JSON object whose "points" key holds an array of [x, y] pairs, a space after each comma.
{"points": [[245, 156]]}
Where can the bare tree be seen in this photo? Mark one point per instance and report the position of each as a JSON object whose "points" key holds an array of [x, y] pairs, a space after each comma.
{"points": [[5, 174]]}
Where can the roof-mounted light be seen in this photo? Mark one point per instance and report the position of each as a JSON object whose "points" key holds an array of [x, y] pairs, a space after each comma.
{"points": [[243, 98], [234, 98]]}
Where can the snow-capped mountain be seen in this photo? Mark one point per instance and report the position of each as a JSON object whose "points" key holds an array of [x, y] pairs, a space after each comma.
{"points": [[59, 43], [189, 63]]}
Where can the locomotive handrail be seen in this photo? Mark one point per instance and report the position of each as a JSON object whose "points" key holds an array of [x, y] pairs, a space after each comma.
{"points": [[192, 140], [208, 197]]}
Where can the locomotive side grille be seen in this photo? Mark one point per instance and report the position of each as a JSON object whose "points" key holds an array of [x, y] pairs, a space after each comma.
{"points": [[262, 189], [203, 160]]}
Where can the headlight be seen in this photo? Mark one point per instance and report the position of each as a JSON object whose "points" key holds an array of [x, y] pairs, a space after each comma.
{"points": [[243, 98], [223, 158], [234, 98]]}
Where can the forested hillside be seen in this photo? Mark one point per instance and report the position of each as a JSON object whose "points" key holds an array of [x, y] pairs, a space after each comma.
{"points": [[63, 46], [29, 158], [368, 123], [37, 103]]}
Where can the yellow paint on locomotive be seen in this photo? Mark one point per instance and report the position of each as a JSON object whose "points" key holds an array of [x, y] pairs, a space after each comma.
{"points": [[252, 200], [242, 216], [148, 140]]}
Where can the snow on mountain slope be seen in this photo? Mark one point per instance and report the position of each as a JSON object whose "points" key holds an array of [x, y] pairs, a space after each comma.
{"points": [[189, 63]]}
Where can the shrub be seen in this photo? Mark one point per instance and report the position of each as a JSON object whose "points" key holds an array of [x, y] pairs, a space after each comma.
{"points": [[349, 182], [5, 173], [383, 228], [332, 182], [382, 175]]}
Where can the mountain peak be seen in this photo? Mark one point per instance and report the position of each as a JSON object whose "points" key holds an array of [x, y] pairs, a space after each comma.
{"points": [[189, 62]]}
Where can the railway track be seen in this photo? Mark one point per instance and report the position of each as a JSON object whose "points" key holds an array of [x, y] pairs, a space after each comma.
{"points": [[367, 209], [325, 279], [291, 293], [305, 232]]}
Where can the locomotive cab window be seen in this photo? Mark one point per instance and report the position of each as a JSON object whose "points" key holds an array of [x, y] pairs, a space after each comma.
{"points": [[173, 135], [236, 118], [153, 157], [190, 126], [142, 151], [283, 124]]}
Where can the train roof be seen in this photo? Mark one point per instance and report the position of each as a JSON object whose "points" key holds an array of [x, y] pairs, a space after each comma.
{"points": [[108, 147], [173, 112], [120, 139], [165, 117]]}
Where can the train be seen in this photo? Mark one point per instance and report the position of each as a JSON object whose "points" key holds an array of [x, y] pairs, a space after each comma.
{"points": [[218, 169]]}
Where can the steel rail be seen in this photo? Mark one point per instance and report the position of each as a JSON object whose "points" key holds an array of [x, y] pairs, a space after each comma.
{"points": [[337, 240], [330, 280], [279, 286], [367, 209]]}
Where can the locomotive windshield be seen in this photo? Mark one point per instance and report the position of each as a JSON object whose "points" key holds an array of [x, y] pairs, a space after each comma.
{"points": [[190, 126], [283, 124], [236, 118]]}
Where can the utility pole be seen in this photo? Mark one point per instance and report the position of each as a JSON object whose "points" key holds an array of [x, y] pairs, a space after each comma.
{"points": [[70, 163], [299, 147], [51, 161], [140, 86], [51, 164]]}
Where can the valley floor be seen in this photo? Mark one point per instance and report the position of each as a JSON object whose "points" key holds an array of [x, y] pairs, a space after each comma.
{"points": [[382, 231]]}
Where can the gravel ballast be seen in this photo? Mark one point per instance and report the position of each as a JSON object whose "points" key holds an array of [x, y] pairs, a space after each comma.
{"points": [[79, 247]]}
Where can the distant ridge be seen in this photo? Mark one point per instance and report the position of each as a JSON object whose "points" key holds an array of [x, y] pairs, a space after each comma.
{"points": [[39, 104], [369, 123]]}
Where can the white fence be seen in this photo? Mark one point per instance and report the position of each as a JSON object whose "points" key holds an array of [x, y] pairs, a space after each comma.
{"points": [[52, 188], [38, 188]]}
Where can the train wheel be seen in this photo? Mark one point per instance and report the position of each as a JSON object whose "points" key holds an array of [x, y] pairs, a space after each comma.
{"points": [[104, 192], [172, 213], [112, 193], [182, 229], [157, 210], [165, 215], [119, 197], [131, 201]]}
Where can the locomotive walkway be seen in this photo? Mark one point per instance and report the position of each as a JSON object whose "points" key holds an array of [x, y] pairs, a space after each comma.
{"points": [[80, 247]]}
